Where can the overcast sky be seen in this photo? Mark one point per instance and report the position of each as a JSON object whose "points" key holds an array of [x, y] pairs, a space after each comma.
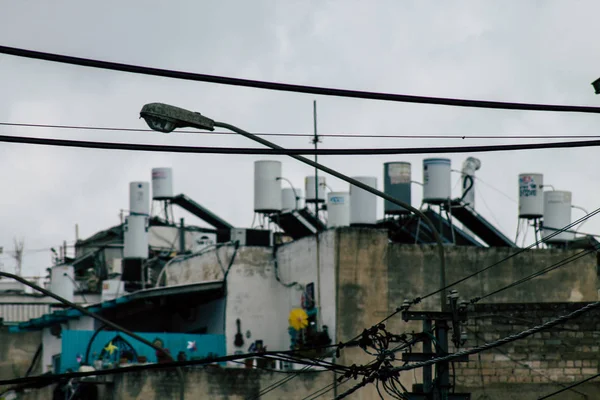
{"points": [[536, 51]]}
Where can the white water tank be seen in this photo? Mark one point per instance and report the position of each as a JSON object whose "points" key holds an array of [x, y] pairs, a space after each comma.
{"points": [[531, 196], [338, 209], [288, 199], [139, 198], [162, 183], [437, 185], [363, 204], [267, 186], [136, 237], [311, 194], [557, 215], [62, 281]]}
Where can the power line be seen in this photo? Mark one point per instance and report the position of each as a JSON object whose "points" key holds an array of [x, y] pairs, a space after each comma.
{"points": [[281, 382], [503, 341], [285, 87], [135, 368], [487, 346], [261, 151], [570, 387], [298, 134], [527, 366], [541, 272], [550, 236]]}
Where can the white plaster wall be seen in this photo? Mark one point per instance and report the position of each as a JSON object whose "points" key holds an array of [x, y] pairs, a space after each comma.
{"points": [[298, 263], [255, 297], [51, 345], [253, 293]]}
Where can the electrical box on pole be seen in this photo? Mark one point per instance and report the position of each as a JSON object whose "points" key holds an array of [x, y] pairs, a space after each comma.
{"points": [[436, 326]]}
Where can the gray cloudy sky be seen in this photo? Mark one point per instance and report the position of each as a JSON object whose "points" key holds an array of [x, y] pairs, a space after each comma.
{"points": [[536, 51]]}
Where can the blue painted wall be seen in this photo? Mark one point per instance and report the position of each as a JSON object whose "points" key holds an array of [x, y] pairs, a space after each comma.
{"points": [[74, 345]]}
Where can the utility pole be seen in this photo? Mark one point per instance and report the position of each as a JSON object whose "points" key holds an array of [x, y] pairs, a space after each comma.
{"points": [[439, 388]]}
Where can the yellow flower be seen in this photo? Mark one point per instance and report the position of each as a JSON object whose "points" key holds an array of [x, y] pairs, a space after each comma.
{"points": [[298, 319]]}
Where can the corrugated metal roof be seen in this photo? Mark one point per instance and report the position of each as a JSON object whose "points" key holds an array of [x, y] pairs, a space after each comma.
{"points": [[48, 319], [15, 313]]}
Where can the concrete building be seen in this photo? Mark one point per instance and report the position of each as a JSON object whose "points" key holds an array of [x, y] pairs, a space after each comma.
{"points": [[237, 295]]}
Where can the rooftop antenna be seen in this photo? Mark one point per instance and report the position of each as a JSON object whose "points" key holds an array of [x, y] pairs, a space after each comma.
{"points": [[18, 255], [316, 141]]}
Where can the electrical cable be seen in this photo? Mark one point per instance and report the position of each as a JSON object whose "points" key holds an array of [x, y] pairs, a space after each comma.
{"points": [[520, 251], [323, 391], [77, 285], [99, 318], [516, 319], [281, 151], [570, 387], [297, 134], [496, 189], [541, 272], [287, 379], [280, 371], [522, 364], [134, 368], [500, 342], [323, 91], [34, 360]]}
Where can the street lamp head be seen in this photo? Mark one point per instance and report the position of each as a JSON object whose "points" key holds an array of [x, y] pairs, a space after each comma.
{"points": [[596, 85], [166, 118]]}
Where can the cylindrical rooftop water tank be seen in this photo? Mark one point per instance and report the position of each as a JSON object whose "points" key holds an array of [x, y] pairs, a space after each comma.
{"points": [[136, 237], [363, 204], [338, 209], [291, 199], [62, 281], [557, 215], [396, 183], [437, 185], [267, 186], [311, 194], [139, 198], [162, 183], [531, 197]]}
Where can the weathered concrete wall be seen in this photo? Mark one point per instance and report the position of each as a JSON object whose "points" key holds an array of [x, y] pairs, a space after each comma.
{"points": [[375, 276], [16, 353], [414, 271], [217, 383], [537, 365]]}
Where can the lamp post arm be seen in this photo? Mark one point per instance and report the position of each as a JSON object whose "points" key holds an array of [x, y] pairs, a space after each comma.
{"points": [[361, 185]]}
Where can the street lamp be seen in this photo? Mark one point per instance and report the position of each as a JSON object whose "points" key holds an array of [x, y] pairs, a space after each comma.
{"points": [[165, 118]]}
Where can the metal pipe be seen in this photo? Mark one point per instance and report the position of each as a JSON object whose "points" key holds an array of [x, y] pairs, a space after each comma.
{"points": [[363, 186]]}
